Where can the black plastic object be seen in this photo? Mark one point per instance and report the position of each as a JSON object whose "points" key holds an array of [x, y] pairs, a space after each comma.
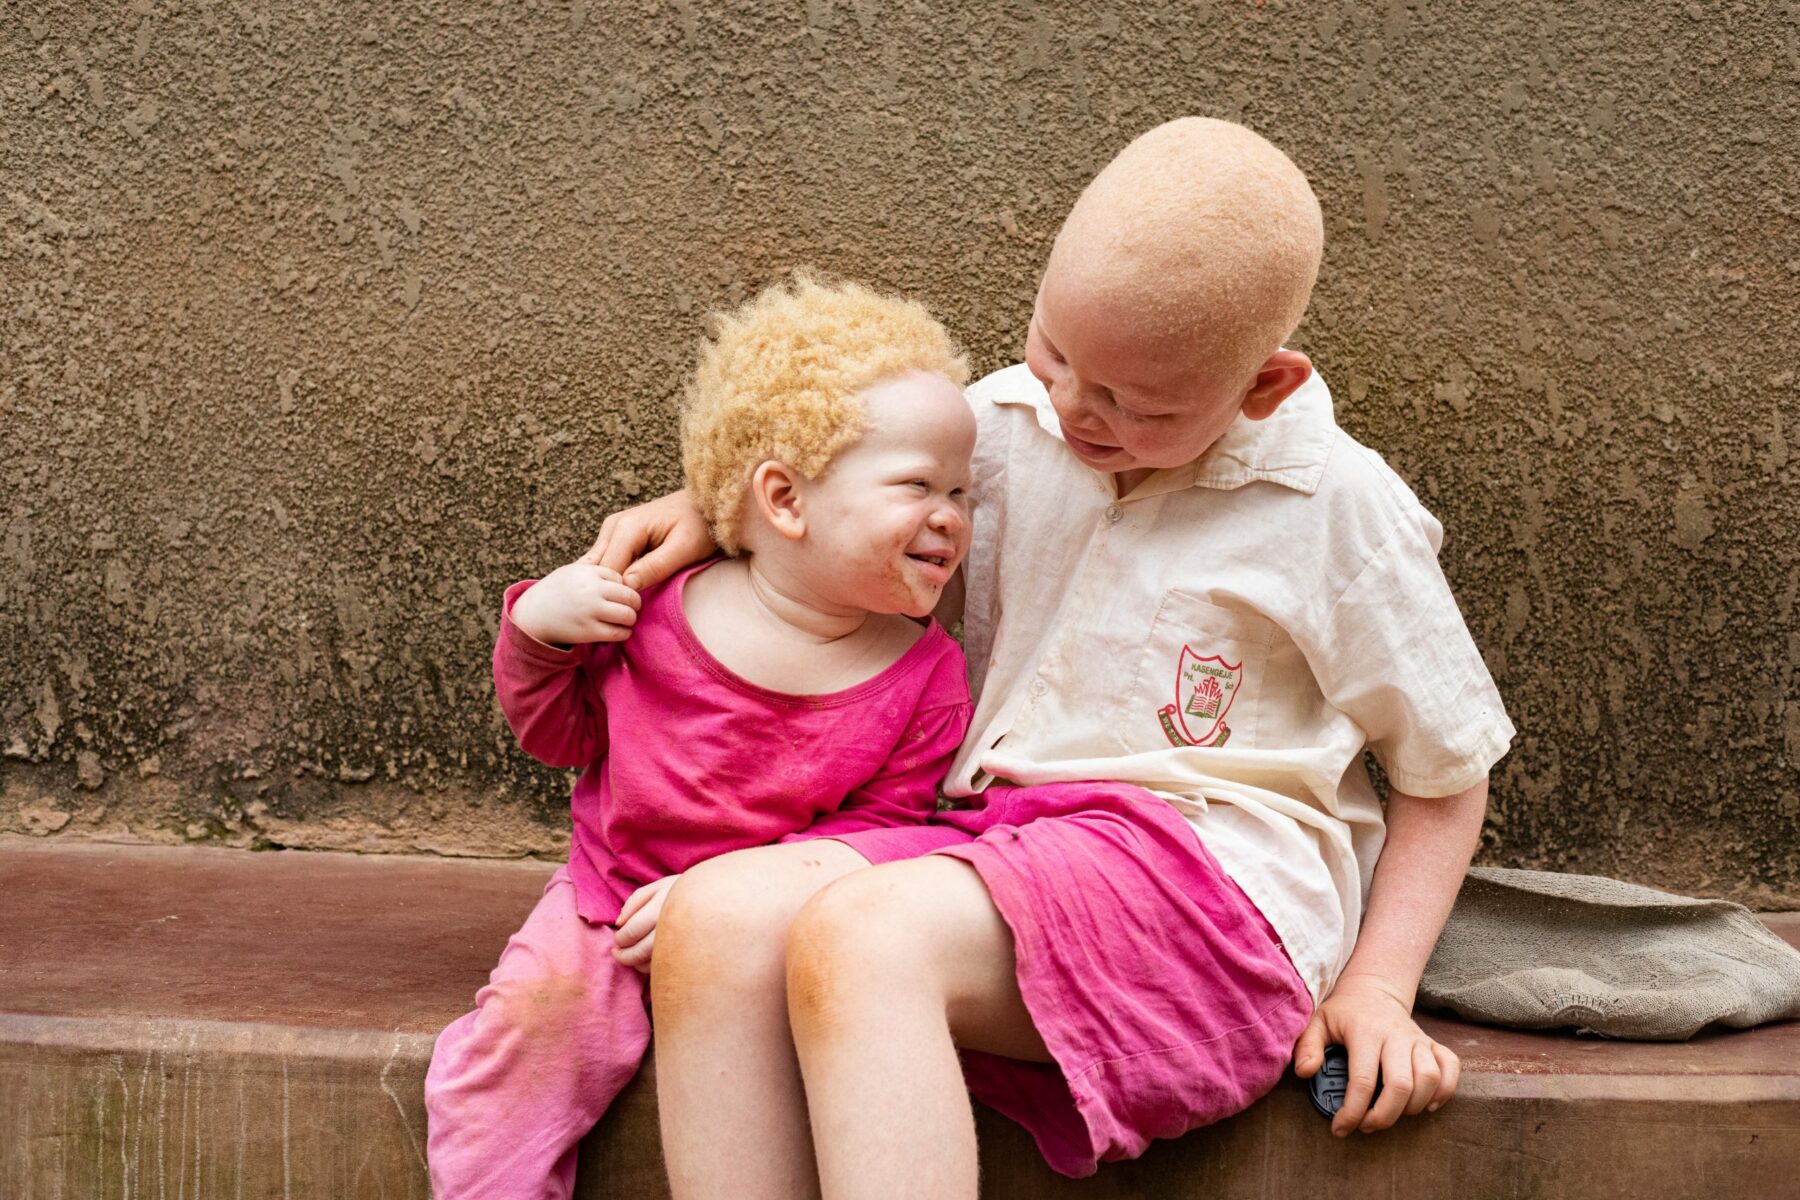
{"points": [[1326, 1089]]}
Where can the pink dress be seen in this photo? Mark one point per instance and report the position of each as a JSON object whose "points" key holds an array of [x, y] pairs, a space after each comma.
{"points": [[681, 760], [1164, 996]]}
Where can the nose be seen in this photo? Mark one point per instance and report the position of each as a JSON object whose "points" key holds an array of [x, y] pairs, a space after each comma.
{"points": [[1080, 403], [951, 518]]}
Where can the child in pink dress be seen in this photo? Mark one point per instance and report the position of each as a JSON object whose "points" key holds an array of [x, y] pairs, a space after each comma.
{"points": [[785, 693]]}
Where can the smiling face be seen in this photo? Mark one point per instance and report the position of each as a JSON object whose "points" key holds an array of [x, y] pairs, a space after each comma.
{"points": [[887, 523], [1126, 400]]}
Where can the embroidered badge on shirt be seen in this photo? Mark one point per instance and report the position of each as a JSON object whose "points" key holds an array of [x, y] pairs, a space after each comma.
{"points": [[1205, 686]]}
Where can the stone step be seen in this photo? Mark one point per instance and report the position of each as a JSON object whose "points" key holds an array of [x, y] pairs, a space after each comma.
{"points": [[183, 1022]]}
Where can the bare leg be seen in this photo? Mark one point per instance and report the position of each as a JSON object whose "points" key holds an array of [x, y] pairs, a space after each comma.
{"points": [[733, 1112], [889, 971]]}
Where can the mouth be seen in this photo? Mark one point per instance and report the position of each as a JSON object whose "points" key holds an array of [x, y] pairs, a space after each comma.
{"points": [[935, 568], [1087, 449]]}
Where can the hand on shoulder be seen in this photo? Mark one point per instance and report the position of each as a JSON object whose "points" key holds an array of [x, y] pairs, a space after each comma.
{"points": [[648, 543]]}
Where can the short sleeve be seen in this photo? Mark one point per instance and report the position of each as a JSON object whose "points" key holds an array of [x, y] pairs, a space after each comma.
{"points": [[1395, 655]]}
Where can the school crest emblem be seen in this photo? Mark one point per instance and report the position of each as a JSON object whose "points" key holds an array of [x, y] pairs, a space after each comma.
{"points": [[1205, 686]]}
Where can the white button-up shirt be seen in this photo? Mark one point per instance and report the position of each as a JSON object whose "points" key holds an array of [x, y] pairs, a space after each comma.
{"points": [[1230, 635]]}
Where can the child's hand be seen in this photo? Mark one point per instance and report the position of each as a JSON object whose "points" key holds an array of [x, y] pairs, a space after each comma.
{"points": [[637, 923], [1375, 1025], [578, 602]]}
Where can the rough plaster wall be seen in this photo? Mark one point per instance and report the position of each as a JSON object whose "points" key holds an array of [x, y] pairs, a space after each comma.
{"points": [[319, 324]]}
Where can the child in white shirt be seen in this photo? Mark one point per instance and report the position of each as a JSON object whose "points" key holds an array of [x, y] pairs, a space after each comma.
{"points": [[1192, 602]]}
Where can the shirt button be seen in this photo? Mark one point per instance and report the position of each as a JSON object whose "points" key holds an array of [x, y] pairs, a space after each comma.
{"points": [[1039, 687], [1113, 513]]}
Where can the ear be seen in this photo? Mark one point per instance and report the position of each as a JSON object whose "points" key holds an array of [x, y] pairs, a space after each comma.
{"points": [[775, 495], [1279, 377]]}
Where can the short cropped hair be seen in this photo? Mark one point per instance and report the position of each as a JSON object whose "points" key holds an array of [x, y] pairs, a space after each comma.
{"points": [[778, 379], [1205, 233]]}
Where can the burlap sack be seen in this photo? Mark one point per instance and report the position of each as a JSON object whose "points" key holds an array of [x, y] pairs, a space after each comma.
{"points": [[1541, 950]]}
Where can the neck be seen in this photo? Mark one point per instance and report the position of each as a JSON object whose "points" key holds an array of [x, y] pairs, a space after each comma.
{"points": [[1124, 481], [784, 601]]}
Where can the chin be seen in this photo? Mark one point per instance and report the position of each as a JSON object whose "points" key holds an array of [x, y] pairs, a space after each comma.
{"points": [[918, 606], [908, 606]]}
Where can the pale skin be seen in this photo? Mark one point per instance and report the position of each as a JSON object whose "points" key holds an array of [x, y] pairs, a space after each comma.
{"points": [[839, 571], [791, 979]]}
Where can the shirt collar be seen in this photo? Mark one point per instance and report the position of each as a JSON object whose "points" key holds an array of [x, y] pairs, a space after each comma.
{"points": [[1289, 447]]}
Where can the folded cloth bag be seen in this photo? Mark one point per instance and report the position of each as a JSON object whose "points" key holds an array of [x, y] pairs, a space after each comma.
{"points": [[1542, 950]]}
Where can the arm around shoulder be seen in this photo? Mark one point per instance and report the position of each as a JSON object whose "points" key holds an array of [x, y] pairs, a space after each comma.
{"points": [[650, 542]]}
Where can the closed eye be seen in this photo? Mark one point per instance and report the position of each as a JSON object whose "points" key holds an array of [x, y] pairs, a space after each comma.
{"points": [[1138, 416]]}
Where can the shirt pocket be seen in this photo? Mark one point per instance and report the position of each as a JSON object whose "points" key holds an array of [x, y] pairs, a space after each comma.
{"points": [[1199, 676]]}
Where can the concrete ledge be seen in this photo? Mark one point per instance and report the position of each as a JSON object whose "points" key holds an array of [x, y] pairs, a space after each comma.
{"points": [[199, 1022]]}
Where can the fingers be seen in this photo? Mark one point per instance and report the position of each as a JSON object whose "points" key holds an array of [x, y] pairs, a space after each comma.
{"points": [[611, 612], [636, 935], [641, 923], [1413, 1074], [1365, 1065], [618, 592], [657, 565], [634, 902], [601, 583], [597, 552], [637, 920], [1309, 1051], [1451, 1067], [621, 542], [611, 609], [649, 543], [1396, 1085], [637, 956], [1426, 1076]]}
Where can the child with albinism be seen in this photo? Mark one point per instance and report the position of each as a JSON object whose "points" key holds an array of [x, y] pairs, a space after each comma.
{"points": [[794, 690], [1192, 603]]}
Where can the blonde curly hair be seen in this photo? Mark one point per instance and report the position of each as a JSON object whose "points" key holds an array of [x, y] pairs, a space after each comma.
{"points": [[778, 379]]}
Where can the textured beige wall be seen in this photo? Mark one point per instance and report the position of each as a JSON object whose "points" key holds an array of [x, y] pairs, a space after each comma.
{"points": [[320, 323]]}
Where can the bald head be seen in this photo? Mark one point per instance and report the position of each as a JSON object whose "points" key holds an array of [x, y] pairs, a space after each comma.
{"points": [[1201, 234]]}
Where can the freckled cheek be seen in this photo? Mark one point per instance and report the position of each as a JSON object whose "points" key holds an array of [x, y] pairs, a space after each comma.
{"points": [[1144, 443]]}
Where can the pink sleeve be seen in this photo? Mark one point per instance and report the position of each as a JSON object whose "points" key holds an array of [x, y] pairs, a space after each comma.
{"points": [[905, 790], [551, 696]]}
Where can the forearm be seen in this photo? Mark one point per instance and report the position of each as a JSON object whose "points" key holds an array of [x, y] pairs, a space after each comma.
{"points": [[548, 702], [1430, 842]]}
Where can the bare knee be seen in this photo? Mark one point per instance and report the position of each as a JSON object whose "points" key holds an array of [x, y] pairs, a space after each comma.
{"points": [[850, 944], [722, 934]]}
